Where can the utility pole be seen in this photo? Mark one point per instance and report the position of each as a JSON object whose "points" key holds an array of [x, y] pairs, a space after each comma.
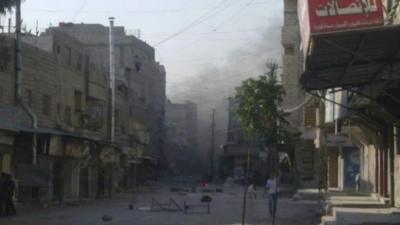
{"points": [[18, 58], [112, 82], [111, 96], [18, 77], [212, 145]]}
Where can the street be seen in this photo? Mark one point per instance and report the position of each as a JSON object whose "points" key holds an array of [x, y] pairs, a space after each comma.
{"points": [[225, 209]]}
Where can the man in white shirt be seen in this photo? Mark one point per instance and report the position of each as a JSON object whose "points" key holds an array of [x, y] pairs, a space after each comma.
{"points": [[272, 187]]}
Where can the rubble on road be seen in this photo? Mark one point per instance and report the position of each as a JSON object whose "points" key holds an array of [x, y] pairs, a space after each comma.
{"points": [[107, 218]]}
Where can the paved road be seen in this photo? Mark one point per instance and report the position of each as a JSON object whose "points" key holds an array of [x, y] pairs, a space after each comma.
{"points": [[225, 209]]}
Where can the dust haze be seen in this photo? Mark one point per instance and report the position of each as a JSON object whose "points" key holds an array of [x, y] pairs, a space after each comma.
{"points": [[212, 86]]}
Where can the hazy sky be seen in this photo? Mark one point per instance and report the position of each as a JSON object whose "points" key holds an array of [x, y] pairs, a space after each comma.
{"points": [[213, 29]]}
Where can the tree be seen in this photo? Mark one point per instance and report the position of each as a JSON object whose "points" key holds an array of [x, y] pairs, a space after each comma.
{"points": [[258, 110], [6, 5]]}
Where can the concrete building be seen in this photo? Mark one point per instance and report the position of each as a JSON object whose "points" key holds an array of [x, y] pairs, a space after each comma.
{"points": [[140, 82], [181, 145], [236, 150], [68, 153], [302, 108], [133, 55], [364, 140]]}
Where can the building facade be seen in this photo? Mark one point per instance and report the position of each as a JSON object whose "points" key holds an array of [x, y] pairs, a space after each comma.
{"points": [[362, 142], [56, 142], [181, 137], [300, 106]]}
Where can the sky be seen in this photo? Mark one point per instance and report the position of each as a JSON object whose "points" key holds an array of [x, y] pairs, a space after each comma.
{"points": [[189, 36], [208, 47]]}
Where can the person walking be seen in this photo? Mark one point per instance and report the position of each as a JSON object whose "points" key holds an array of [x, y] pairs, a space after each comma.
{"points": [[358, 181], [9, 186], [251, 191], [272, 187]]}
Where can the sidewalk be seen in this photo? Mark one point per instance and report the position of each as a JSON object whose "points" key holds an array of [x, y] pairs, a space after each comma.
{"points": [[357, 208]]}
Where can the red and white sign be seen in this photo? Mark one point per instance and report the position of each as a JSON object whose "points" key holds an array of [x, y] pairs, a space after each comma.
{"points": [[320, 16]]}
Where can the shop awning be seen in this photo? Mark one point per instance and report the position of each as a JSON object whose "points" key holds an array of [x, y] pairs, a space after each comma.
{"points": [[352, 58], [67, 134]]}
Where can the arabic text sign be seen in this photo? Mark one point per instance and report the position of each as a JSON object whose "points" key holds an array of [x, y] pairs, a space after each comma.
{"points": [[336, 15]]}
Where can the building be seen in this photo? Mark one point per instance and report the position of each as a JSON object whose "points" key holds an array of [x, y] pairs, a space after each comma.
{"points": [[341, 69], [181, 135], [136, 57], [140, 80], [238, 148], [300, 106], [56, 142]]}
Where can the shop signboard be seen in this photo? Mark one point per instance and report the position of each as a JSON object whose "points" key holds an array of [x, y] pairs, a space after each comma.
{"points": [[321, 16]]}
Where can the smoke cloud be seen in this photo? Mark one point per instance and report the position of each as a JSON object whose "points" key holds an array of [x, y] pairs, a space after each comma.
{"points": [[214, 84]]}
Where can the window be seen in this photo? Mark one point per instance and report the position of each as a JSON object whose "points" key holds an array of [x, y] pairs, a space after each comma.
{"points": [[78, 101], [87, 65], [46, 105], [116, 121], [68, 56], [122, 56], [58, 49], [29, 97], [58, 109], [68, 119], [5, 58], [138, 63], [79, 62]]}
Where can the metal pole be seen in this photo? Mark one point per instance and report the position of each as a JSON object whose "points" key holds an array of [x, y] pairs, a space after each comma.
{"points": [[212, 145], [9, 26], [17, 64], [392, 147], [18, 77], [112, 80], [245, 188]]}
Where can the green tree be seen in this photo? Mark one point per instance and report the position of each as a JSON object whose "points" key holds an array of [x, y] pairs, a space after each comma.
{"points": [[6, 5], [259, 112]]}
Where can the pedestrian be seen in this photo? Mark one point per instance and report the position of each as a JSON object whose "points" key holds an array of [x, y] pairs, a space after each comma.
{"points": [[272, 187], [357, 178], [2, 192], [251, 190], [9, 186]]}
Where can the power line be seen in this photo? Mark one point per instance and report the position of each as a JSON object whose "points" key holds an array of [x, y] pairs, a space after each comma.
{"points": [[244, 55], [145, 11], [234, 15], [257, 29], [79, 10], [214, 11], [203, 39]]}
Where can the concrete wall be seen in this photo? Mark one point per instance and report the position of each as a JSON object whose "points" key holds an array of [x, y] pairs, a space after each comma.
{"points": [[303, 119], [150, 77], [292, 62]]}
